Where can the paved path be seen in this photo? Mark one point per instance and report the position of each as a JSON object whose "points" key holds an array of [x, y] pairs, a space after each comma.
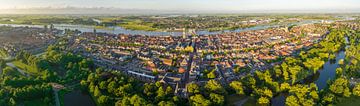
{"points": [[21, 71], [56, 88], [241, 102], [57, 101]]}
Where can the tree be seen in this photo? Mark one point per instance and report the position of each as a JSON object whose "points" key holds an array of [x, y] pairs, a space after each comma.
{"points": [[103, 99], [2, 63], [293, 71], [328, 99], [339, 71], [340, 86], [284, 86], [214, 86], [97, 92], [166, 103], [137, 100], [112, 86], [347, 92], [292, 101], [314, 64], [160, 94], [314, 95], [264, 101], [268, 93], [217, 99], [168, 90], [211, 75], [199, 100], [12, 102], [102, 85], [356, 90], [125, 101], [193, 88], [150, 89], [237, 86], [92, 87]]}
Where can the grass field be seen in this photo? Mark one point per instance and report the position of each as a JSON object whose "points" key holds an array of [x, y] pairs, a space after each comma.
{"points": [[231, 99], [352, 101], [13, 73], [27, 68], [138, 25], [37, 102]]}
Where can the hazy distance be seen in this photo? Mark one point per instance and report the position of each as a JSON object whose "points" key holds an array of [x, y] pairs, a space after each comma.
{"points": [[176, 6]]}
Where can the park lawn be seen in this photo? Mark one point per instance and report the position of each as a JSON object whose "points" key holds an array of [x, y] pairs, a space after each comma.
{"points": [[234, 98], [351, 101], [25, 67], [37, 102], [14, 73], [251, 102], [137, 25], [231, 99]]}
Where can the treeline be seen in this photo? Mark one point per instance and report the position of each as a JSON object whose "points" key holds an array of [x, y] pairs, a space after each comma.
{"points": [[287, 77], [112, 88], [210, 94], [67, 66]]}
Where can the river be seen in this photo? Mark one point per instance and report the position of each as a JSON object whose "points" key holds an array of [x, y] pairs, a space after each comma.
{"points": [[120, 30]]}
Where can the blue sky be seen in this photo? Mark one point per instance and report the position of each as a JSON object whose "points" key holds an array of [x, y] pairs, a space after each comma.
{"points": [[190, 4]]}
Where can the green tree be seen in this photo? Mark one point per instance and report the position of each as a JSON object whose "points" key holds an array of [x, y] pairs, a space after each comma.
{"points": [[193, 88], [356, 90], [293, 71], [328, 99], [112, 86], [285, 86], [237, 86], [214, 86], [160, 94], [102, 85], [12, 102], [166, 103], [340, 86], [314, 64], [199, 100], [138, 101], [217, 99], [292, 101], [264, 101], [339, 71], [314, 95], [103, 99], [211, 75], [97, 92]]}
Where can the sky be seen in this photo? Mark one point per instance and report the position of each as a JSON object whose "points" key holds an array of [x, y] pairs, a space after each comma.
{"points": [[228, 5]]}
